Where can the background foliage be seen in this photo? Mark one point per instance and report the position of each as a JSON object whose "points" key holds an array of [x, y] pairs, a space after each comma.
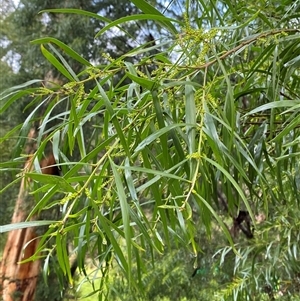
{"points": [[163, 143]]}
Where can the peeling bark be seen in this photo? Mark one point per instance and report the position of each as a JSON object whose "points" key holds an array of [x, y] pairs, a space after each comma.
{"points": [[18, 281]]}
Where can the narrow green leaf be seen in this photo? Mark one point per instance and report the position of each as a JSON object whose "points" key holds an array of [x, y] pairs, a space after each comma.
{"points": [[4, 93], [76, 12], [46, 269], [26, 126], [190, 119], [60, 182], [108, 228], [54, 61], [66, 259], [129, 181], [12, 99], [55, 145], [151, 138], [216, 216], [292, 125], [65, 63], [234, 183], [114, 119], [73, 54], [60, 252], [43, 201], [274, 105], [23, 225], [161, 18], [125, 216], [143, 82], [146, 8]]}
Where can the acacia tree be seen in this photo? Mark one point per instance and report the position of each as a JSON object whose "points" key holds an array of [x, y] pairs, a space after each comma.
{"points": [[212, 118]]}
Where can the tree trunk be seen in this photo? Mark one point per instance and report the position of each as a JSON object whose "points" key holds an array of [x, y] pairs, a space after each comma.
{"points": [[19, 280]]}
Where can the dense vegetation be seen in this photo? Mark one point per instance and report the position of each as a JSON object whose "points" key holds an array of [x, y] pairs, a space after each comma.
{"points": [[163, 148]]}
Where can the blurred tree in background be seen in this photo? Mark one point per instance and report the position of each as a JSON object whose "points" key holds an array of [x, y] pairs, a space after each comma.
{"points": [[27, 23]]}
